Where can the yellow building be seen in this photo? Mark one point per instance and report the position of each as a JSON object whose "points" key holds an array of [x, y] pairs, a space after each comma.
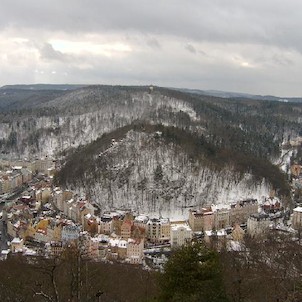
{"points": [[238, 233], [29, 232], [158, 230]]}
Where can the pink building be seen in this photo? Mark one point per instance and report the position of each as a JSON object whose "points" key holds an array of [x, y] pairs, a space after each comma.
{"points": [[202, 220]]}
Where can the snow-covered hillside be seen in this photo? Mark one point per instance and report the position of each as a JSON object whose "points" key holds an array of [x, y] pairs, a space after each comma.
{"points": [[211, 150], [84, 115], [145, 173]]}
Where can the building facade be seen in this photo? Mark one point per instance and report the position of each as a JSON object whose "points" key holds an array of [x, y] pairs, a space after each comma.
{"points": [[297, 218], [180, 234], [202, 220]]}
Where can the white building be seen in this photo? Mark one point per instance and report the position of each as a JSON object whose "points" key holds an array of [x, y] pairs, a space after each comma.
{"points": [[180, 234], [17, 245]]}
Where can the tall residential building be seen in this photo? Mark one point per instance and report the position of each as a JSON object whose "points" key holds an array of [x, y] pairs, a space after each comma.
{"points": [[135, 251], [158, 230], [201, 220], [126, 229]]}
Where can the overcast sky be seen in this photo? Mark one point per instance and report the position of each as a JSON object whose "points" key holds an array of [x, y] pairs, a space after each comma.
{"points": [[252, 46]]}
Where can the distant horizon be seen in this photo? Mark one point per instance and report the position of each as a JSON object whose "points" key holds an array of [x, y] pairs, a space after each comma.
{"points": [[143, 85]]}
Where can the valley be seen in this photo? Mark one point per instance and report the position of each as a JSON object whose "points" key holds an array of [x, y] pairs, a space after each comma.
{"points": [[214, 150]]}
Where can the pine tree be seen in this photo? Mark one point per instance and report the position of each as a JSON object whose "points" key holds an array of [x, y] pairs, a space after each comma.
{"points": [[192, 274]]}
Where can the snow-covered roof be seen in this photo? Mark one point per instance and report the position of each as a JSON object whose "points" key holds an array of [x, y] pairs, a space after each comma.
{"points": [[219, 207], [175, 227], [298, 209], [17, 167], [103, 237], [29, 252], [17, 240], [113, 241], [271, 201], [218, 233], [141, 218], [88, 216]]}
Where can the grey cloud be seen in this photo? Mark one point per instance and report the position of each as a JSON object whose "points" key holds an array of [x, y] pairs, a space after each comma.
{"points": [[282, 60], [190, 48], [265, 22], [153, 43], [168, 69], [202, 52]]}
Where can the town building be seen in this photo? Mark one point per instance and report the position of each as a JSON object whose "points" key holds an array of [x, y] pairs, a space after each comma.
{"points": [[158, 230], [42, 165], [258, 224], [105, 225], [181, 233], [141, 221], [242, 210], [117, 249], [126, 229], [70, 233], [135, 251], [215, 239], [271, 205], [60, 197], [221, 216], [43, 195], [297, 218], [17, 245], [55, 248], [202, 220]]}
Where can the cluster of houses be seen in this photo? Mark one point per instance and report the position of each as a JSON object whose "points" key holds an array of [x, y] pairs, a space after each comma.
{"points": [[58, 218], [14, 178], [55, 218], [16, 173]]}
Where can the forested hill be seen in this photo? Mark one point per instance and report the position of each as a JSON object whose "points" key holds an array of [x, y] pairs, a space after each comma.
{"points": [[256, 127], [164, 170], [210, 149], [50, 121]]}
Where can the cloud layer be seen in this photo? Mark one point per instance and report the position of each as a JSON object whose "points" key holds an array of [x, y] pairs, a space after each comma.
{"points": [[245, 46]]}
